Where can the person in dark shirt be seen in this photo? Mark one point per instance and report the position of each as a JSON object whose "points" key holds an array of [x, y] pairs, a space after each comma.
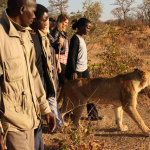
{"points": [[38, 48], [52, 23], [45, 61], [61, 48]]}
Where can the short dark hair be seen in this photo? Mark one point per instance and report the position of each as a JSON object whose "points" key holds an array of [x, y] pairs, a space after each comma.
{"points": [[13, 4], [52, 19], [79, 23], [40, 10]]}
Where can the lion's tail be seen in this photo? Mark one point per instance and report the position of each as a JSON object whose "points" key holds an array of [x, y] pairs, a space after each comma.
{"points": [[61, 95]]}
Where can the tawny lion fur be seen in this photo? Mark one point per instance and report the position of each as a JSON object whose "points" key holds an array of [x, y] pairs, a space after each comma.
{"points": [[121, 91]]}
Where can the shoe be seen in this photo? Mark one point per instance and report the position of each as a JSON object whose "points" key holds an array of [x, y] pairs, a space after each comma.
{"points": [[100, 117]]}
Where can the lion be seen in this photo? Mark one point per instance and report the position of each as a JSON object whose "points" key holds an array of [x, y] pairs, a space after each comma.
{"points": [[120, 91]]}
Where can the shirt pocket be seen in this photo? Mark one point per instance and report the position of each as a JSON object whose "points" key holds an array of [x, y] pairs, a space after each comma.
{"points": [[14, 70]]}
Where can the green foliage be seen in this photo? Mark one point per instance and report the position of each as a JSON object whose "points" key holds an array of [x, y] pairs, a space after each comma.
{"points": [[123, 8], [75, 139], [92, 10], [58, 6], [114, 62], [3, 3]]}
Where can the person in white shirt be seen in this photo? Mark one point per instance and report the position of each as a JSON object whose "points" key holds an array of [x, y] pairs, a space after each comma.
{"points": [[77, 58]]}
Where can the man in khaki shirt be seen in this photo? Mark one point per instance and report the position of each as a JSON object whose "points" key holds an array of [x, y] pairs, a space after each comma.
{"points": [[23, 99]]}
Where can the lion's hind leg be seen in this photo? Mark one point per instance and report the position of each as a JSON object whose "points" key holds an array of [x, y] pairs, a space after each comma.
{"points": [[66, 108], [119, 119], [77, 112], [133, 113]]}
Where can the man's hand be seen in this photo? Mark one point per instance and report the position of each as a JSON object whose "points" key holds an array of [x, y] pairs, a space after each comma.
{"points": [[59, 68], [2, 143], [58, 64], [51, 121], [52, 67]]}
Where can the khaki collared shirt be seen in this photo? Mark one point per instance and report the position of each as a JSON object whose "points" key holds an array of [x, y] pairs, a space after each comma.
{"points": [[23, 97]]}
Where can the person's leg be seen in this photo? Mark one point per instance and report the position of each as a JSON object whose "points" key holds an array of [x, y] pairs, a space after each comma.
{"points": [[54, 108], [79, 74], [38, 141], [91, 108], [86, 74], [21, 140], [61, 76]]}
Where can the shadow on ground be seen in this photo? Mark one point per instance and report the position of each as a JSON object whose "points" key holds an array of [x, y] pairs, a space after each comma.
{"points": [[110, 133], [51, 147]]}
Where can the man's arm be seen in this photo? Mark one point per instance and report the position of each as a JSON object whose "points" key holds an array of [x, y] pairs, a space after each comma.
{"points": [[73, 54], [2, 135], [38, 87], [40, 94]]}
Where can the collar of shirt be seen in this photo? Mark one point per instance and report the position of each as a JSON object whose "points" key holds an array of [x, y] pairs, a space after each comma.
{"points": [[42, 33], [13, 26], [44, 36]]}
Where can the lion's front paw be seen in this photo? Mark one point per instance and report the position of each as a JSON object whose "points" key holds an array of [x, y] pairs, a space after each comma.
{"points": [[123, 128]]}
